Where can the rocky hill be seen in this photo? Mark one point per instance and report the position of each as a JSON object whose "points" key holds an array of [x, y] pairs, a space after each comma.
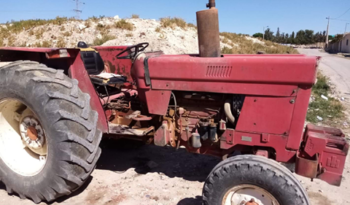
{"points": [[172, 35]]}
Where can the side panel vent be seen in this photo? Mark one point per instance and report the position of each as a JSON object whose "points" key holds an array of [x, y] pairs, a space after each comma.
{"points": [[219, 71]]}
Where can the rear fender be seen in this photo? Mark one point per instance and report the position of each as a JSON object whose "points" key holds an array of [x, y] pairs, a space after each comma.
{"points": [[65, 59]]}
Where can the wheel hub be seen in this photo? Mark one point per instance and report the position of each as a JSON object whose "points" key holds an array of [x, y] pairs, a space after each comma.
{"points": [[251, 202], [248, 195], [32, 134], [23, 144]]}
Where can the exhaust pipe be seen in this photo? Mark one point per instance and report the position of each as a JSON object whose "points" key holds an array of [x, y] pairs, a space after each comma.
{"points": [[208, 31]]}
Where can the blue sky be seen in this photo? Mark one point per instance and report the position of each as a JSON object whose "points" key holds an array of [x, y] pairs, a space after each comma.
{"points": [[239, 16]]}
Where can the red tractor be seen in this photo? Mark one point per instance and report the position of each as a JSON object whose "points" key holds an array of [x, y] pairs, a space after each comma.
{"points": [[57, 103]]}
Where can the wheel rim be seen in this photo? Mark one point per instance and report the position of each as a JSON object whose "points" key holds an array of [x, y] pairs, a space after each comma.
{"points": [[23, 145], [248, 195]]}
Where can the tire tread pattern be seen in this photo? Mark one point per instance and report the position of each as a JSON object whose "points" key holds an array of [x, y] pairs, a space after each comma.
{"points": [[87, 119], [244, 163]]}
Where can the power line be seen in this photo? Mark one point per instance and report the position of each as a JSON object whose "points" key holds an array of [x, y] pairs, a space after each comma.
{"points": [[343, 13], [334, 19], [77, 10]]}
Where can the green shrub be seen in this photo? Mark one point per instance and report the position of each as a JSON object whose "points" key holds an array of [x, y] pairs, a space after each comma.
{"points": [[327, 109]]}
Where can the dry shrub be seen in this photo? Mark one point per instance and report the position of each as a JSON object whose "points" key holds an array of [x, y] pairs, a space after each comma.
{"points": [[103, 28], [87, 24], [11, 40], [191, 25], [4, 33], [67, 34], [124, 25], [158, 30], [135, 16], [105, 38], [61, 43], [18, 26], [45, 44], [173, 22], [39, 33]]}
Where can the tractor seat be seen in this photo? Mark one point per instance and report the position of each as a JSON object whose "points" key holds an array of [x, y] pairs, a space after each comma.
{"points": [[94, 66], [92, 61], [108, 79]]}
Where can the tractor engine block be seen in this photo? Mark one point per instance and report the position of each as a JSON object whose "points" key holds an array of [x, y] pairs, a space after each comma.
{"points": [[196, 118]]}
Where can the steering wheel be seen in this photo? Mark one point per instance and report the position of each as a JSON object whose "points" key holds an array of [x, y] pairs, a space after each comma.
{"points": [[138, 48]]}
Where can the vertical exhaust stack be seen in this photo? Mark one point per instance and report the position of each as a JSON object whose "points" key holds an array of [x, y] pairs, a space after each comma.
{"points": [[208, 31]]}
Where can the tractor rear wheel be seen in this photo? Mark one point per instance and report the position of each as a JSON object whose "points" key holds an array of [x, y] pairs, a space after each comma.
{"points": [[252, 180], [49, 141]]}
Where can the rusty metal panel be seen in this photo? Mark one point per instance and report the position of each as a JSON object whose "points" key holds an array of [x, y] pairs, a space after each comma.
{"points": [[78, 71], [306, 167], [232, 138], [208, 33], [271, 115], [223, 87], [330, 147], [281, 69], [299, 115], [277, 75], [157, 101]]}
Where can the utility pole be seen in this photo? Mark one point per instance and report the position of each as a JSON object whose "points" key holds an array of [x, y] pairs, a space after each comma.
{"points": [[77, 10], [327, 32], [346, 25]]}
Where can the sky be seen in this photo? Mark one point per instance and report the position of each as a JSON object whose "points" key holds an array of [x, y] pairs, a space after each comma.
{"points": [[238, 16]]}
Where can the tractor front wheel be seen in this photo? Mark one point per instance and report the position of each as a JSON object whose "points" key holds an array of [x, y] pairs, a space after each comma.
{"points": [[252, 180], [49, 141]]}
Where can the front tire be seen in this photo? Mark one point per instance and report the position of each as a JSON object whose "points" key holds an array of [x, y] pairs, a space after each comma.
{"points": [[246, 179], [66, 121]]}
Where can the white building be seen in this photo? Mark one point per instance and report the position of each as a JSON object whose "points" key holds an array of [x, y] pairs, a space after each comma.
{"points": [[345, 44]]}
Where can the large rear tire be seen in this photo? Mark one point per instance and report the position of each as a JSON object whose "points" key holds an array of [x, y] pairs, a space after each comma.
{"points": [[62, 121], [250, 179]]}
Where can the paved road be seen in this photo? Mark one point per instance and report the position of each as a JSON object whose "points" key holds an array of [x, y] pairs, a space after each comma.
{"points": [[335, 67]]}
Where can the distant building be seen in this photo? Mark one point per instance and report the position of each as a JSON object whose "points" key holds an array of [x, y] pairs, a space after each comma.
{"points": [[345, 44], [340, 45]]}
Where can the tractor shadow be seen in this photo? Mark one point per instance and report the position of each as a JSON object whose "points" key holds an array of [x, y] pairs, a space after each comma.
{"points": [[191, 201], [121, 155]]}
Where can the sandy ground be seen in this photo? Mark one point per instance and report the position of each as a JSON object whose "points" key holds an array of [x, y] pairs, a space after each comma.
{"points": [[130, 173]]}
